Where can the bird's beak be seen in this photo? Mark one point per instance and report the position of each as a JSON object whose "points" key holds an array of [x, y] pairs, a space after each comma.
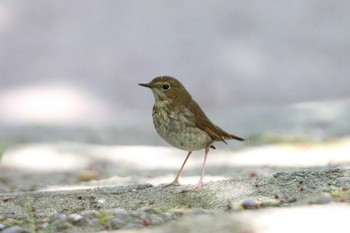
{"points": [[145, 85]]}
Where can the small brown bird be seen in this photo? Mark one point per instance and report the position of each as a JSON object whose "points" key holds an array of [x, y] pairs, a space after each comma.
{"points": [[180, 121]]}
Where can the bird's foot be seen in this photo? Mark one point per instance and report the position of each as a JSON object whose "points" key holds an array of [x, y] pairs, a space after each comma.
{"points": [[174, 183], [195, 187]]}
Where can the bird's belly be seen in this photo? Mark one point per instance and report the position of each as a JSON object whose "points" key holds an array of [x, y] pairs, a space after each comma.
{"points": [[180, 133]]}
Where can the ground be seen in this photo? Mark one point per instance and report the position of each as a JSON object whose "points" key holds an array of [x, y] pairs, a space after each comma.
{"points": [[67, 187]]}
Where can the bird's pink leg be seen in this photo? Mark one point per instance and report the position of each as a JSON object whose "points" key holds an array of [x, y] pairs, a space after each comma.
{"points": [[200, 182], [176, 181]]}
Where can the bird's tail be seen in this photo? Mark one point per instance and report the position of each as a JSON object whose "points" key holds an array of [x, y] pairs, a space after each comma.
{"points": [[221, 135], [232, 136]]}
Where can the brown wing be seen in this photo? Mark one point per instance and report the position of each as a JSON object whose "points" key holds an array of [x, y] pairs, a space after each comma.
{"points": [[206, 125]]}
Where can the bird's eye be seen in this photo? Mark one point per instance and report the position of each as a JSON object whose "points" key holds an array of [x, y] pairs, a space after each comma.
{"points": [[166, 86]]}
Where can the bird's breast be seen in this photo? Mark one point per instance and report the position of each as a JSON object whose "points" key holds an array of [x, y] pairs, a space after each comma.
{"points": [[176, 125]]}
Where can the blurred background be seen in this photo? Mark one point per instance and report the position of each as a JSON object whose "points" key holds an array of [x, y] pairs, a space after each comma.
{"points": [[73, 116], [69, 69]]}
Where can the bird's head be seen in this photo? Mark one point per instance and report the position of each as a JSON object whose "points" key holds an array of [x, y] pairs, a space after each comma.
{"points": [[166, 88]]}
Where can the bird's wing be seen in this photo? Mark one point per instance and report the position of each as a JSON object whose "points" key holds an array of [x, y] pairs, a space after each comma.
{"points": [[206, 125], [203, 122]]}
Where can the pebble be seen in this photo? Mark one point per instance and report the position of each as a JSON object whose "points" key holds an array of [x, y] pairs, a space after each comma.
{"points": [[118, 218], [75, 218], [89, 213], [324, 199], [116, 223], [119, 211], [64, 226], [62, 217], [291, 199], [15, 229], [93, 222], [167, 216], [139, 214], [44, 225], [250, 204], [155, 220]]}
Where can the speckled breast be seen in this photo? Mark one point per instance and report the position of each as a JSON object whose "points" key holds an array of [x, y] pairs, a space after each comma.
{"points": [[176, 126]]}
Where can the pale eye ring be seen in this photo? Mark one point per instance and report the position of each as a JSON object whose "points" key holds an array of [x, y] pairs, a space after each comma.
{"points": [[166, 86]]}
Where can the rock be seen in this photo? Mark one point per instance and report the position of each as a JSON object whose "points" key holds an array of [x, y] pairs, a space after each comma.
{"points": [[62, 217], [89, 213], [64, 226], [15, 229], [94, 222], [75, 219], [167, 216], [120, 211], [250, 204], [44, 225], [156, 220], [116, 223], [323, 199]]}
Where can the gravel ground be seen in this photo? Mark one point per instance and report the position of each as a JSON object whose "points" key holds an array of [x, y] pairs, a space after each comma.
{"points": [[69, 188], [144, 206]]}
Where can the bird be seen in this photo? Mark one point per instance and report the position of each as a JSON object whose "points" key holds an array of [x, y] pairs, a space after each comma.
{"points": [[181, 122]]}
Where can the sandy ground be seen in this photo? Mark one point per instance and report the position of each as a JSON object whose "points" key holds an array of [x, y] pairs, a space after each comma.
{"points": [[263, 174]]}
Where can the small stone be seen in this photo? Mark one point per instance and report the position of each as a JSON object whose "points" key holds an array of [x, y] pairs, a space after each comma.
{"points": [[75, 218], [94, 222], [250, 204], [14, 229], [156, 220], [89, 213], [101, 201], [167, 216], [2, 227], [290, 199], [134, 213], [116, 223], [44, 225], [323, 199], [146, 222], [62, 217], [139, 214], [63, 226], [120, 211]]}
